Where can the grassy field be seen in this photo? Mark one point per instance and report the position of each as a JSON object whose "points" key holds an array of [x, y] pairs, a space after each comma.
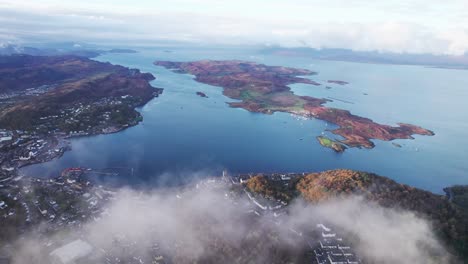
{"points": [[326, 142]]}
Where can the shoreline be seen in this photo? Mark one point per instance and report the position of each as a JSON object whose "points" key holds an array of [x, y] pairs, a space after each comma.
{"points": [[265, 89], [66, 140], [102, 99]]}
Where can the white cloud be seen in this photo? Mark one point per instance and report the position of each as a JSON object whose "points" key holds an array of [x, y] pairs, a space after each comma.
{"points": [[415, 26], [200, 225]]}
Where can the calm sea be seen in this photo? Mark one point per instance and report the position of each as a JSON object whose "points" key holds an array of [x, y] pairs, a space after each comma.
{"points": [[184, 136]]}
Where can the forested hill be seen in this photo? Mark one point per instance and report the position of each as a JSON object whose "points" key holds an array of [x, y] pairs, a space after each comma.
{"points": [[450, 221]]}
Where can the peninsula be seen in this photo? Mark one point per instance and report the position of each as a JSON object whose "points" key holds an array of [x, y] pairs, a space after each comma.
{"points": [[264, 89], [46, 99]]}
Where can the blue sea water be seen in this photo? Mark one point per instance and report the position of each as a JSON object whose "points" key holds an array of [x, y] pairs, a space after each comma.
{"points": [[184, 136]]}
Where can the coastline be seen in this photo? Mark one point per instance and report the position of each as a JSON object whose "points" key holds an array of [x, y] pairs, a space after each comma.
{"points": [[66, 140], [265, 89], [101, 99]]}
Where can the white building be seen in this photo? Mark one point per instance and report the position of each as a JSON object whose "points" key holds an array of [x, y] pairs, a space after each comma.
{"points": [[2, 139], [8, 169], [71, 252]]}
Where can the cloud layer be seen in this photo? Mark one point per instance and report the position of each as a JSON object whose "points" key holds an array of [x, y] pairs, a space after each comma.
{"points": [[207, 226], [400, 26]]}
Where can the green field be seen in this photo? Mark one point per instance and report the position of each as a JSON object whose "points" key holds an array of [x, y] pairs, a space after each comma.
{"points": [[328, 143]]}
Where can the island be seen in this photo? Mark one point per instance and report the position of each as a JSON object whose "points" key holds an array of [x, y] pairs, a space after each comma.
{"points": [[122, 51], [202, 94], [338, 82], [332, 144], [264, 89], [45, 100]]}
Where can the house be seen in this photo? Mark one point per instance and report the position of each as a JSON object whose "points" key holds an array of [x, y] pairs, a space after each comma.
{"points": [[3, 139], [337, 258], [26, 158], [320, 256], [324, 227], [9, 169], [328, 243], [328, 235]]}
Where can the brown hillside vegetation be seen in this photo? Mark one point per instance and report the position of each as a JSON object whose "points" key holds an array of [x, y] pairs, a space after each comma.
{"points": [[450, 221], [261, 185], [64, 83], [264, 89]]}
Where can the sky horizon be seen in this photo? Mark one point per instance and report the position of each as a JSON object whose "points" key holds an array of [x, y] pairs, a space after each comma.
{"points": [[414, 26]]}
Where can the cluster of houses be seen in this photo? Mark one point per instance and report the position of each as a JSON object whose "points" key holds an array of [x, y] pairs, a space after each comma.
{"points": [[332, 249], [326, 245], [35, 91], [5, 136], [19, 147], [66, 201]]}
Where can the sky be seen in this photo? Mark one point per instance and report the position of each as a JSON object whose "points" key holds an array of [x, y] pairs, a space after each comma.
{"points": [[412, 26]]}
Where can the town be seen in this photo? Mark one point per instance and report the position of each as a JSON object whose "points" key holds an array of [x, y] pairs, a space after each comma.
{"points": [[71, 200], [20, 148], [325, 245], [39, 114]]}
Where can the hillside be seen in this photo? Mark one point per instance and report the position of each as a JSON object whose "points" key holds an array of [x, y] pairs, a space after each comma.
{"points": [[69, 93], [265, 89], [458, 194], [449, 220]]}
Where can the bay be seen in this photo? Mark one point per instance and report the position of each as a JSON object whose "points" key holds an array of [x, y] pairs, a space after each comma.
{"points": [[184, 136]]}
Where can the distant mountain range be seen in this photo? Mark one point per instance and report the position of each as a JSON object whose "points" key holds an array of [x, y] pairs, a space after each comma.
{"points": [[82, 50], [431, 60]]}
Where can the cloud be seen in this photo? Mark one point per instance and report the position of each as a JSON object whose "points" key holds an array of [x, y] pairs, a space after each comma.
{"points": [[415, 27], [204, 225], [384, 235]]}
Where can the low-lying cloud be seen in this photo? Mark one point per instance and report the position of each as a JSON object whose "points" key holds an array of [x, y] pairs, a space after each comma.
{"points": [[210, 226], [381, 235]]}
